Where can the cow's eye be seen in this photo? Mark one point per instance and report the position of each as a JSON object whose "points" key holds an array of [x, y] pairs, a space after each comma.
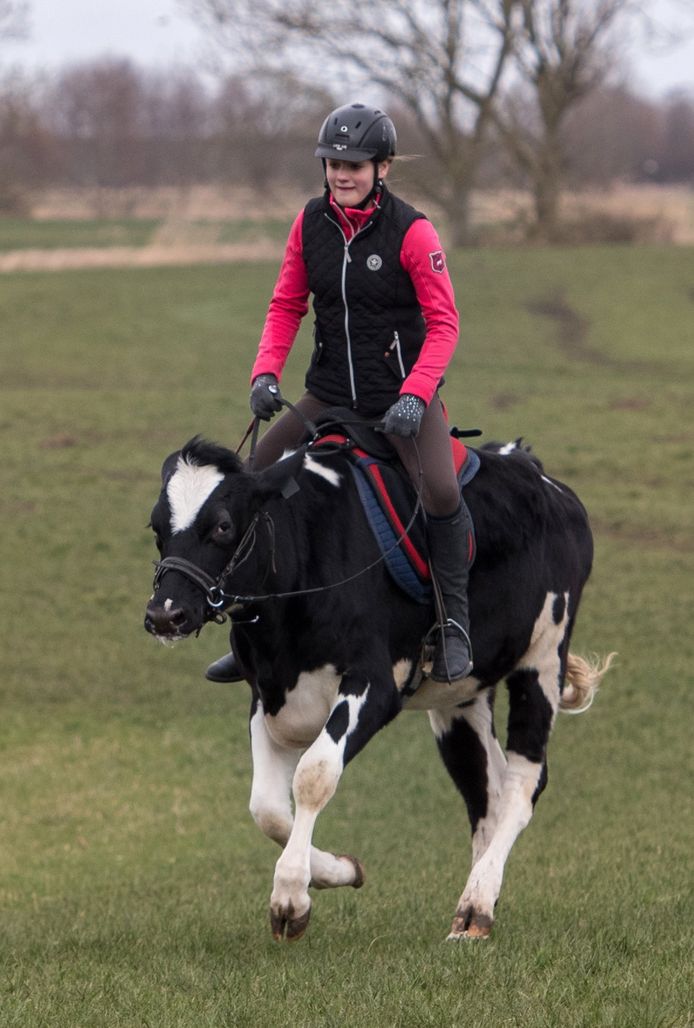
{"points": [[222, 530]]}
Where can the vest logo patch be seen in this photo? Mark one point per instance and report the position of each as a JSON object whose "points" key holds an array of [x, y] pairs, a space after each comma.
{"points": [[374, 262], [438, 261]]}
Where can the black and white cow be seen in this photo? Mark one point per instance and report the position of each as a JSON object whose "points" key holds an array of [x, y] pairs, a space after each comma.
{"points": [[328, 654]]}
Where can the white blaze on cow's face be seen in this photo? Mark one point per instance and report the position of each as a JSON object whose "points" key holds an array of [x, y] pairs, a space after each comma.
{"points": [[187, 489]]}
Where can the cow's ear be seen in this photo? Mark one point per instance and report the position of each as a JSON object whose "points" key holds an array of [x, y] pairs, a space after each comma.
{"points": [[168, 467], [280, 479]]}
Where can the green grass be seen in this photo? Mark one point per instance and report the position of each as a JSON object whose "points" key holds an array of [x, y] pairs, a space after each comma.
{"points": [[241, 230], [133, 885], [22, 234]]}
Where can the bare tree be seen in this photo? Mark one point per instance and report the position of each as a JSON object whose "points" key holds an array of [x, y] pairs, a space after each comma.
{"points": [[98, 105], [442, 61], [266, 128], [26, 152], [611, 134], [19, 131], [14, 19], [564, 50], [676, 163], [174, 125]]}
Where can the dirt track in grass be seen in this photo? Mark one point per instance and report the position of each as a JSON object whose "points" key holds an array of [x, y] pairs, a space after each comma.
{"points": [[191, 219]]}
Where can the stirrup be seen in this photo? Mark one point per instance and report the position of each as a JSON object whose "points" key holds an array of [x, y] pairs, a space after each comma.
{"points": [[450, 632]]}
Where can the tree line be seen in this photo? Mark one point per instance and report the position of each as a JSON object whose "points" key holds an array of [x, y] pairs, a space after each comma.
{"points": [[111, 123], [489, 90], [489, 93]]}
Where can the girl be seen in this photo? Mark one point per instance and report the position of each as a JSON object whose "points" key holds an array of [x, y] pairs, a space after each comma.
{"points": [[386, 327]]}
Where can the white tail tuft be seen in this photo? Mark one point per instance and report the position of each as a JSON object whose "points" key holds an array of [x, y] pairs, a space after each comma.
{"points": [[583, 676]]}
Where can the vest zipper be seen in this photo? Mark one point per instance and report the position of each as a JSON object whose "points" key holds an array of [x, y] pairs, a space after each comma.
{"points": [[343, 285], [395, 346]]}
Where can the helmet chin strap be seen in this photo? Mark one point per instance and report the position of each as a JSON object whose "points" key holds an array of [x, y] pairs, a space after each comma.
{"points": [[376, 188]]}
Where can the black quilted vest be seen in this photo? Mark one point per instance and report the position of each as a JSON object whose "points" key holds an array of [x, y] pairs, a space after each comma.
{"points": [[369, 327]]}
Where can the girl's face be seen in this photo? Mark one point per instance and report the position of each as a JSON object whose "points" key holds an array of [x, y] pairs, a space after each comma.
{"points": [[351, 183]]}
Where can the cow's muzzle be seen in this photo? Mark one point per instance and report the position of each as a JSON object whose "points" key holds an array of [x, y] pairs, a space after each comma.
{"points": [[166, 624], [171, 621]]}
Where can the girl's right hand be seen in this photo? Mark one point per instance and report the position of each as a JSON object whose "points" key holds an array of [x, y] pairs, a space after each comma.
{"points": [[265, 397]]}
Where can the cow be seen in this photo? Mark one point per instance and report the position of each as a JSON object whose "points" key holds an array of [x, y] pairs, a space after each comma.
{"points": [[333, 647]]}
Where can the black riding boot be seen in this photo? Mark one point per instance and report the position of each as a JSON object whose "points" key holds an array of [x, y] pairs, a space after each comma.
{"points": [[224, 670], [449, 550]]}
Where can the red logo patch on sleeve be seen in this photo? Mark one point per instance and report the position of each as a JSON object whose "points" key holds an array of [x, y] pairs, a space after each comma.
{"points": [[438, 261]]}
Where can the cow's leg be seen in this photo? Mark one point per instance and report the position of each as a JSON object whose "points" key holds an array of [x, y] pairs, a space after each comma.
{"points": [[475, 761], [362, 707], [533, 703], [270, 806]]}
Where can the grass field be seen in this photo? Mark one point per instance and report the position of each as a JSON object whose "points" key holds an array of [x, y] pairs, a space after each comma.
{"points": [[134, 886], [20, 234], [73, 233]]}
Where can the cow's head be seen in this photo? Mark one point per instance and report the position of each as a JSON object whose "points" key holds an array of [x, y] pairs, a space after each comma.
{"points": [[205, 507]]}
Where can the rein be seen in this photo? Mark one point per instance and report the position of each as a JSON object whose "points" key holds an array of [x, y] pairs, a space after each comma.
{"points": [[219, 600], [234, 598], [254, 428]]}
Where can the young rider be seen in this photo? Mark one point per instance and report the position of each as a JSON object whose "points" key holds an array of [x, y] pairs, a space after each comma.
{"points": [[386, 326]]}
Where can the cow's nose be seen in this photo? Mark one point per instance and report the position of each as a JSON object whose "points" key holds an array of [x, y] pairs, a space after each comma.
{"points": [[160, 622]]}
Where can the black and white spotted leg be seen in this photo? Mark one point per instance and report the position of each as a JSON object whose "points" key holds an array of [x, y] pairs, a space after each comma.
{"points": [[534, 690], [475, 761], [363, 705], [273, 769]]}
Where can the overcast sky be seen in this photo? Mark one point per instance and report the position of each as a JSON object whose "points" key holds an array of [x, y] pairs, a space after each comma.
{"points": [[155, 32]]}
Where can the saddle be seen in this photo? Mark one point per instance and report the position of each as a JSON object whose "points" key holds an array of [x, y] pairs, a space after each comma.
{"points": [[388, 496]]}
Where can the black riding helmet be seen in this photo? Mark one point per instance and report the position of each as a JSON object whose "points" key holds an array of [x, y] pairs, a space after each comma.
{"points": [[356, 132]]}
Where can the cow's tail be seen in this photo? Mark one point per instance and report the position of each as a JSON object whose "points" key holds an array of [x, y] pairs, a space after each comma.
{"points": [[583, 676]]}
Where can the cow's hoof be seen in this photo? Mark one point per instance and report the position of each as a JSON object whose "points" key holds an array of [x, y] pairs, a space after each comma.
{"points": [[469, 925], [284, 925], [359, 872], [342, 878]]}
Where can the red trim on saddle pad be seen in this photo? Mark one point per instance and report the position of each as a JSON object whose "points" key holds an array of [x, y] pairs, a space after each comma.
{"points": [[370, 468], [334, 437], [458, 449], [420, 565], [410, 569]]}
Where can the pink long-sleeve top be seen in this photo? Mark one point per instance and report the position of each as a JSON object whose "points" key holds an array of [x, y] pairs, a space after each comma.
{"points": [[421, 256]]}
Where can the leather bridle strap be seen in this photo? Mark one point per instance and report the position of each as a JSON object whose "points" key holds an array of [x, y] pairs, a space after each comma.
{"points": [[215, 596], [188, 570]]}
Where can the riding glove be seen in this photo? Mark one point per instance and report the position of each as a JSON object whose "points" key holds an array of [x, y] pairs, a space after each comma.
{"points": [[265, 397], [405, 416]]}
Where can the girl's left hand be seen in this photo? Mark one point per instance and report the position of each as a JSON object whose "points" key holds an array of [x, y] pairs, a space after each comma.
{"points": [[405, 416]]}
